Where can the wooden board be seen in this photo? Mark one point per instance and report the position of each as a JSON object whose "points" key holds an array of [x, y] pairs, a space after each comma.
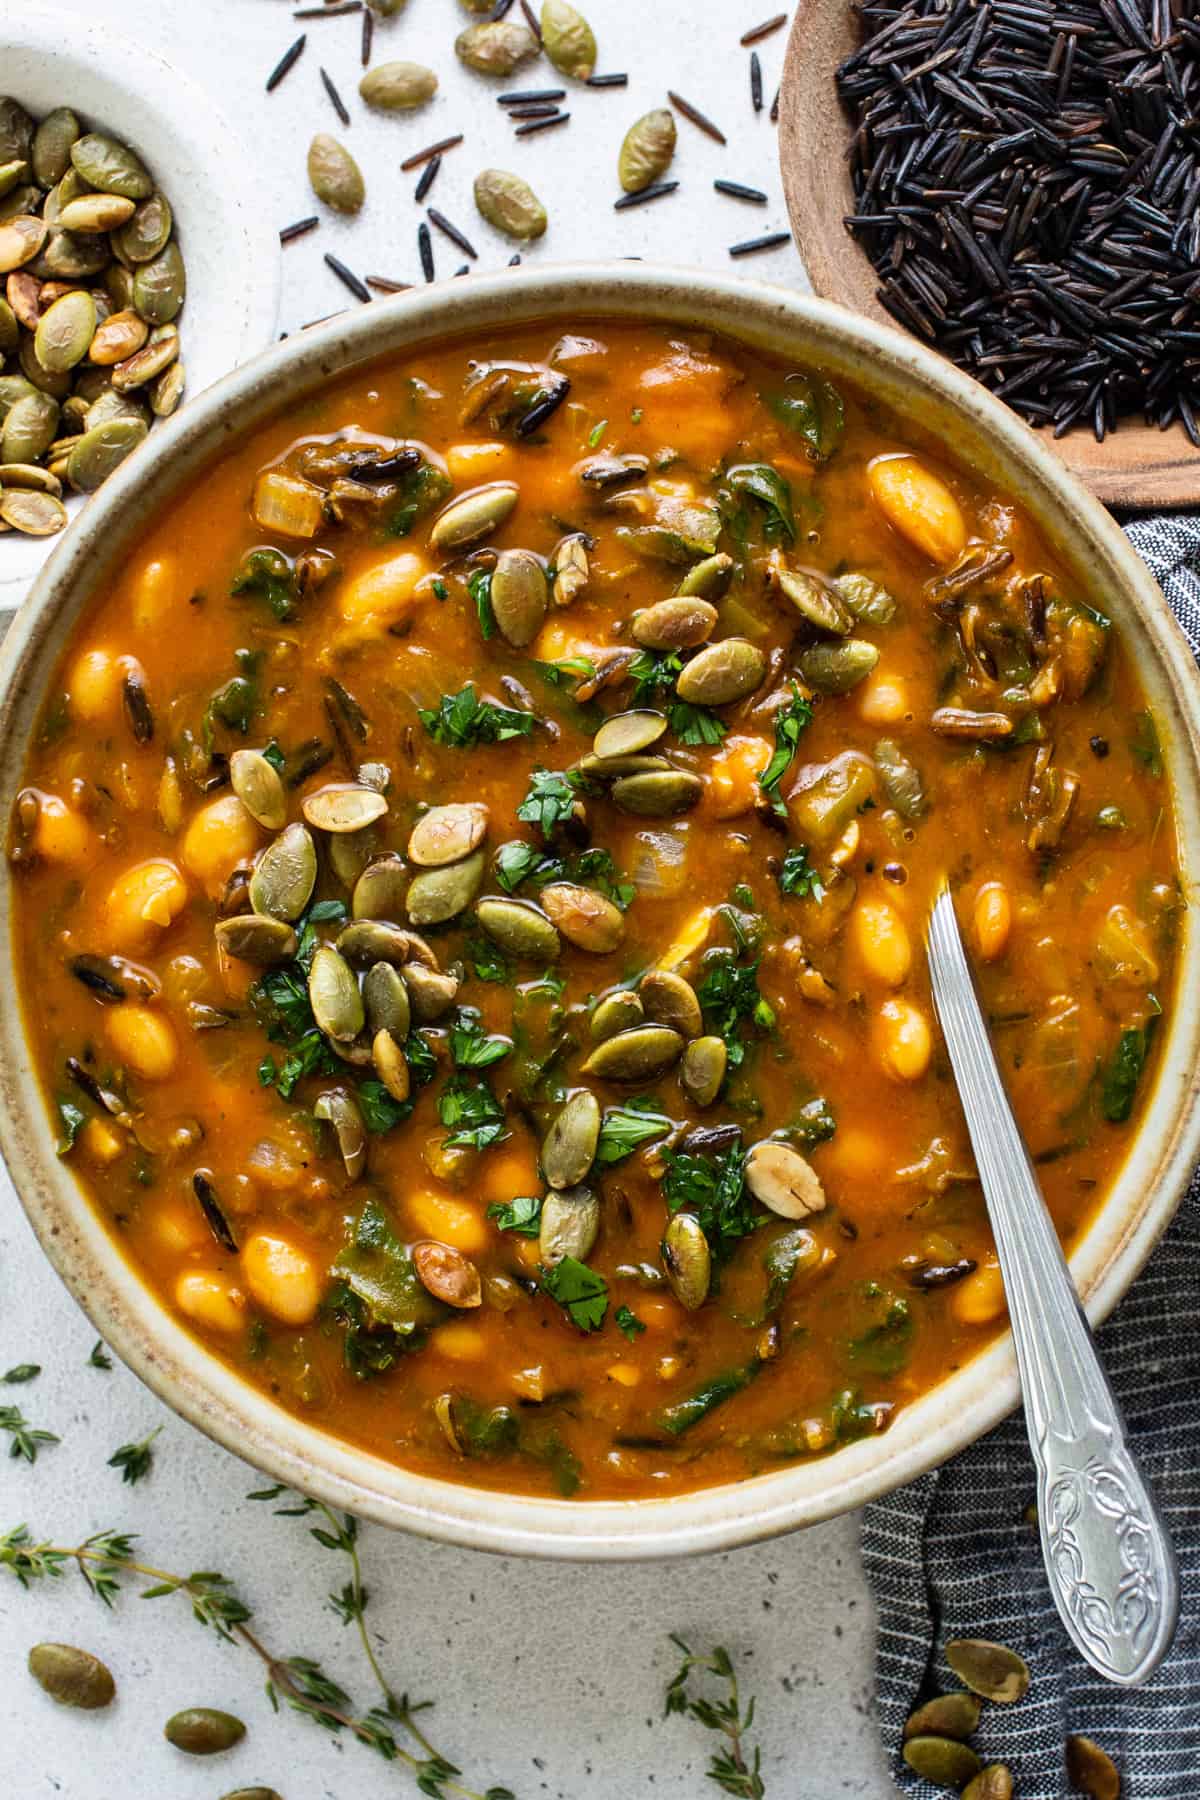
{"points": [[1135, 466]]}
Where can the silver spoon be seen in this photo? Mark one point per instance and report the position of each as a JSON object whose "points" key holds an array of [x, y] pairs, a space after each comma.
{"points": [[1108, 1555]]}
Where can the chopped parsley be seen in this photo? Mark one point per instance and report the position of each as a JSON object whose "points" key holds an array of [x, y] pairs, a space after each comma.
{"points": [[712, 1186], [522, 1215], [463, 719], [473, 1113], [551, 799], [479, 586], [267, 575], [654, 674], [73, 1119], [582, 1294], [625, 1128], [471, 1047], [790, 722], [729, 996], [628, 1323], [1122, 1074], [517, 862], [798, 877], [695, 724], [488, 961]]}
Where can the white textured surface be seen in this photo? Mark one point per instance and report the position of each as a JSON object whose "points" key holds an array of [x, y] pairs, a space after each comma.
{"points": [[549, 1679]]}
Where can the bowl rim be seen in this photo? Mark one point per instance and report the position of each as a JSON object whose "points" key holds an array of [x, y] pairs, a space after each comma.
{"points": [[165, 103], [965, 1403]]}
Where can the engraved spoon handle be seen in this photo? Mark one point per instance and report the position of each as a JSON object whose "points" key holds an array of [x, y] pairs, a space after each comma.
{"points": [[1109, 1558]]}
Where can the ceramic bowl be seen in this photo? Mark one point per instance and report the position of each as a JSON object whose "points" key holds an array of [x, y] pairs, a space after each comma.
{"points": [[983, 434], [48, 59]]}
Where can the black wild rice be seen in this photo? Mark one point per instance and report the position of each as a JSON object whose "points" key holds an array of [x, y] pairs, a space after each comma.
{"points": [[655, 191], [696, 116], [531, 96], [738, 191], [531, 19], [607, 81], [383, 284], [428, 177], [368, 35], [758, 32], [425, 247], [559, 118], [771, 241], [755, 82], [335, 98], [533, 112], [301, 226], [774, 113], [430, 151], [451, 231], [328, 12], [287, 61], [347, 277], [1027, 183], [514, 261]]}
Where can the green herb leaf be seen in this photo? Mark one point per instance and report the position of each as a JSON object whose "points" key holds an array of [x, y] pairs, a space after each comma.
{"points": [[135, 1460], [814, 411], [713, 1188], [488, 961], [625, 1128], [479, 586], [22, 1373], [566, 671], [814, 1123], [516, 861], [237, 703], [685, 1413], [420, 491], [729, 997], [522, 1215], [766, 485], [790, 722], [26, 1439], [628, 1323], [470, 1045], [798, 877], [654, 674], [695, 724], [99, 1357], [582, 1294], [1145, 744], [73, 1121], [267, 575], [550, 800], [473, 1112], [463, 720], [885, 1347], [1123, 1073]]}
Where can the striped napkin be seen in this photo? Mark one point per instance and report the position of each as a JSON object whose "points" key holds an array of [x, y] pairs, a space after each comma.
{"points": [[952, 1555]]}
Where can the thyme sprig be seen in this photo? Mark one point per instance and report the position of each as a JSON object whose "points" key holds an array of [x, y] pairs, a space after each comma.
{"points": [[25, 1440], [733, 1768]]}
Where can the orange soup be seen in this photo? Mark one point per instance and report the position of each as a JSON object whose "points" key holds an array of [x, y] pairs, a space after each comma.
{"points": [[471, 878]]}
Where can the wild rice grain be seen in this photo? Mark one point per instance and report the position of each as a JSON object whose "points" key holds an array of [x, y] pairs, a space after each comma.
{"points": [[451, 231], [757, 32], [655, 191], [603, 81], [347, 277], [541, 125], [430, 151], [428, 177], [696, 116], [335, 98], [425, 248], [288, 60], [756, 100], [737, 191], [291, 232], [752, 245]]}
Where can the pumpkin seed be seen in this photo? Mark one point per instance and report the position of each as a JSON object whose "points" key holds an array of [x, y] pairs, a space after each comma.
{"points": [[993, 1783], [647, 150], [11, 173], [34, 513], [167, 391], [436, 895], [95, 213], [624, 734], [942, 1760], [145, 235], [496, 47], [369, 941], [616, 1012], [72, 1677], [118, 285], [257, 785], [1091, 1770], [865, 599], [709, 579], [118, 337], [333, 995], [658, 794], [611, 768], [160, 286], [989, 1669], [703, 1069], [431, 992], [55, 382], [337, 1108], [285, 875], [781, 1179], [203, 1730], [343, 806], [569, 1147], [29, 475], [65, 331], [722, 673], [946, 1715], [9, 329], [21, 238], [836, 668], [473, 516], [520, 928], [677, 624], [447, 1274], [391, 1065], [687, 1260], [110, 167], [901, 779], [100, 450], [569, 1225], [635, 1054], [385, 1001], [257, 938], [398, 86], [568, 39], [520, 595], [670, 1000], [379, 890], [16, 131], [29, 426], [571, 569], [23, 199], [50, 153], [71, 256], [816, 602], [509, 204], [445, 834], [148, 363], [585, 918]]}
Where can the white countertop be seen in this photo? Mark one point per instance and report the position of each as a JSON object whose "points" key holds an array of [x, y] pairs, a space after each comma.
{"points": [[547, 1678]]}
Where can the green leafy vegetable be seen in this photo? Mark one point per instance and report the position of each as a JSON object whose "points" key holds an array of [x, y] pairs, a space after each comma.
{"points": [[479, 586], [729, 997], [625, 1128], [713, 1393], [695, 724], [26, 1439], [473, 1112], [550, 800], [798, 877], [814, 1123], [1145, 744], [1123, 1072], [267, 575], [463, 719], [237, 703], [628, 1323], [99, 1357], [377, 1298], [23, 1372], [814, 411], [766, 485], [582, 1294], [135, 1460], [483, 1430], [420, 490], [522, 1215], [73, 1120], [711, 1185], [653, 674], [597, 867], [790, 722], [515, 862], [884, 1348], [471, 1047], [488, 961]]}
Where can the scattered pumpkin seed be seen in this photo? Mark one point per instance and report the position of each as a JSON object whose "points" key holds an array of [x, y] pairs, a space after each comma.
{"points": [[676, 624], [1091, 1770], [520, 595], [118, 337], [110, 167], [624, 734], [397, 86], [946, 1715], [343, 806], [670, 1000], [285, 874], [722, 673], [989, 1669], [813, 599], [258, 786], [338, 1108], [836, 668], [32, 512], [703, 1070], [253, 1793], [100, 450], [50, 153], [144, 236], [647, 150], [942, 1760], [203, 1730], [496, 47], [687, 1260], [147, 364], [167, 391], [436, 895], [256, 938], [508, 203], [616, 1012], [96, 213], [520, 928], [369, 941], [65, 331], [658, 793], [635, 1054], [21, 238], [29, 425], [334, 176], [585, 918], [448, 1275], [865, 599], [71, 1676], [431, 992], [993, 1783], [568, 39], [446, 834], [569, 1225], [385, 1001], [391, 1064], [380, 889], [333, 995], [474, 516], [160, 286], [569, 1147]]}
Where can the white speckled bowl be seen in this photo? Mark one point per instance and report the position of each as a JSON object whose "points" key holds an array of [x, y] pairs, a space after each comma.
{"points": [[980, 431], [48, 59]]}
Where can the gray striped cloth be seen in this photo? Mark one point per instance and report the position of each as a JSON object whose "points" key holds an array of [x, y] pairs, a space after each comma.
{"points": [[952, 1556]]}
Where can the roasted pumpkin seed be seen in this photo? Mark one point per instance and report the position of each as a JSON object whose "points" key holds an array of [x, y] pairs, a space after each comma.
{"points": [[989, 1669], [50, 153], [646, 151], [431, 992], [677, 624], [145, 235], [71, 1676], [569, 1225], [496, 47], [71, 256], [254, 1793], [203, 1730], [380, 889], [146, 364], [520, 928], [21, 238], [118, 337], [709, 579], [670, 1000], [436, 895], [448, 1275], [397, 86], [110, 167], [16, 131], [658, 793], [391, 1064], [571, 566], [167, 391], [946, 1715], [993, 1783], [568, 39], [95, 213], [589, 920], [722, 673], [813, 599], [100, 450], [34, 513], [520, 595], [29, 426], [508, 203], [865, 599], [160, 286], [334, 996], [624, 734], [942, 1760], [616, 1012], [445, 834], [635, 1054], [338, 1108], [256, 938], [285, 875], [474, 516], [703, 1070], [836, 668], [569, 1147], [334, 176], [343, 806], [783, 1181], [687, 1260], [369, 941], [257, 784], [385, 1001], [65, 331], [1091, 1770]]}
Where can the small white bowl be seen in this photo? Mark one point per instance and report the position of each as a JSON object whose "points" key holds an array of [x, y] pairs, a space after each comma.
{"points": [[49, 59]]}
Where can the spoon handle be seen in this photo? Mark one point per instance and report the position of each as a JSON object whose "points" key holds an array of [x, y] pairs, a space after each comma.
{"points": [[1108, 1555]]}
